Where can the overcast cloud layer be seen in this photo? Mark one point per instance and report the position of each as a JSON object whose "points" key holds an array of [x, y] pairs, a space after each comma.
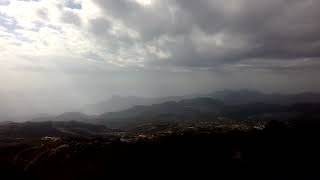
{"points": [[55, 55]]}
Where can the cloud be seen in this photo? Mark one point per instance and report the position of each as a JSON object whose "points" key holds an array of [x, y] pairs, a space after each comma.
{"points": [[100, 26], [212, 32], [4, 2], [181, 33], [70, 17], [73, 4], [43, 13], [137, 47]]}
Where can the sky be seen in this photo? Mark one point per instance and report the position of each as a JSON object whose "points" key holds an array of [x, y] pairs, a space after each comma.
{"points": [[58, 55]]}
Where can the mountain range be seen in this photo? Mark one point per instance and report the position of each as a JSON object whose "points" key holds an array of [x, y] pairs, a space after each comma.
{"points": [[122, 112], [229, 97]]}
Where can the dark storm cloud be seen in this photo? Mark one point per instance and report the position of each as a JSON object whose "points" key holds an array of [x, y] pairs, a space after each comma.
{"points": [[214, 32]]}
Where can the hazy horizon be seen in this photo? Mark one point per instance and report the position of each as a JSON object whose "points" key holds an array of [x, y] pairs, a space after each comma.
{"points": [[57, 56]]}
